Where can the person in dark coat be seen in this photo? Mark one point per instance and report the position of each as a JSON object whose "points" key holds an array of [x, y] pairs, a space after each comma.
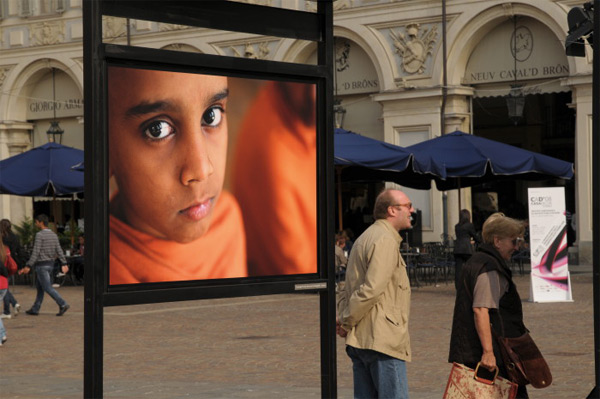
{"points": [[463, 249], [487, 299]]}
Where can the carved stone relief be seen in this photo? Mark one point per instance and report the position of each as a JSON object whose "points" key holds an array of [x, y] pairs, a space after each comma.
{"points": [[342, 54], [414, 45], [113, 28], [46, 33], [3, 74], [258, 51]]}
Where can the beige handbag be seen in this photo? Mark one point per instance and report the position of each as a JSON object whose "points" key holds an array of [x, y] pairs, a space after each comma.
{"points": [[464, 383]]}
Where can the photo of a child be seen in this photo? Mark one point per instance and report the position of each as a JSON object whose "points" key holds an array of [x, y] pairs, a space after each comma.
{"points": [[170, 218]]}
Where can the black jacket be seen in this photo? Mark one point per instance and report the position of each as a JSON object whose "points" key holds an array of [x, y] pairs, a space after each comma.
{"points": [[464, 233], [16, 251], [465, 346]]}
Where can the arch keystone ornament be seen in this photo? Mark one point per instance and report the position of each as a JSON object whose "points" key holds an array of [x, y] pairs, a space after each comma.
{"points": [[414, 48], [255, 51]]}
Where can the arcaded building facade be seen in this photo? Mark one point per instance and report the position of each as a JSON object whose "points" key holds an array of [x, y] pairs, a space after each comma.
{"points": [[405, 71]]}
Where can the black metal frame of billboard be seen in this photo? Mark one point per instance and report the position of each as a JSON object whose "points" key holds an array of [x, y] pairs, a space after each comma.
{"points": [[221, 15]]}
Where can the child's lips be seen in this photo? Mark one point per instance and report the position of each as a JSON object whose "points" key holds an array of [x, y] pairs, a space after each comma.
{"points": [[197, 211]]}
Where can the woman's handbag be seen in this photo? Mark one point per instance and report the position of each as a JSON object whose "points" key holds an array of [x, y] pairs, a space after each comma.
{"points": [[464, 383], [524, 362], [9, 268]]}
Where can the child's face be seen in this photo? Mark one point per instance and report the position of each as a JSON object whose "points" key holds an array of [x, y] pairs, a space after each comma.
{"points": [[167, 149]]}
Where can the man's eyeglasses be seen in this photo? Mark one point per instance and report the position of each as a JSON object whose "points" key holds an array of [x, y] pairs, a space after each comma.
{"points": [[516, 241], [408, 205]]}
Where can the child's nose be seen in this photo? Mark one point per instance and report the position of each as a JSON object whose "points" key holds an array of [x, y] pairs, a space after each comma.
{"points": [[196, 163]]}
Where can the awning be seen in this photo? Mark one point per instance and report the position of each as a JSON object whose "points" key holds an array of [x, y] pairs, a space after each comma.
{"points": [[531, 87], [74, 197]]}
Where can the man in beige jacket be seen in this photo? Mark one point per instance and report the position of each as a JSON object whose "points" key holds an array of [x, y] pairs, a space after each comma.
{"points": [[374, 306]]}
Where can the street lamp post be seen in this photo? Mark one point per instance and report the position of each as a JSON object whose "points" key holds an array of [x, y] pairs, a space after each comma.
{"points": [[55, 132]]}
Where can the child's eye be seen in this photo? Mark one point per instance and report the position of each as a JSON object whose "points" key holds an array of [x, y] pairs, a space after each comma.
{"points": [[212, 117], [158, 130]]}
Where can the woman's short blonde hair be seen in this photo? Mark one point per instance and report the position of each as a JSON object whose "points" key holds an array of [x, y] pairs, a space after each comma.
{"points": [[501, 226]]}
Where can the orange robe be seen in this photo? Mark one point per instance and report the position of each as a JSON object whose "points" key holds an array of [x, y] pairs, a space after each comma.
{"points": [[137, 257], [275, 182]]}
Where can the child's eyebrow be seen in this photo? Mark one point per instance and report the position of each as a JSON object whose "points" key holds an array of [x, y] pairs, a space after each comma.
{"points": [[144, 108], [219, 96]]}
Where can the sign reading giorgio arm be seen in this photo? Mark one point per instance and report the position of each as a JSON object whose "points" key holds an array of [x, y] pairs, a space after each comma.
{"points": [[211, 177], [68, 99]]}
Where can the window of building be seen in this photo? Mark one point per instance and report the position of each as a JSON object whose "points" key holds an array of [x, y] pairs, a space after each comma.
{"points": [[25, 8], [28, 8]]}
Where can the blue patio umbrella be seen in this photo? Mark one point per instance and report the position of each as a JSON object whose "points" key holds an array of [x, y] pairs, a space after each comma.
{"points": [[79, 167], [42, 171], [462, 160], [360, 158]]}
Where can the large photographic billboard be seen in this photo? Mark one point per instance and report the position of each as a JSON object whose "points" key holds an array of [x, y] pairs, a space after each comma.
{"points": [[207, 175], [210, 176]]}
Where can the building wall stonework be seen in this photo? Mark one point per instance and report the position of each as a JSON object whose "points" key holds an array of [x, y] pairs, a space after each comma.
{"points": [[402, 40]]}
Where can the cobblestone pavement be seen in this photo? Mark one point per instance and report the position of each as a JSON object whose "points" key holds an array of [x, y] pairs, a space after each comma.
{"points": [[261, 347]]}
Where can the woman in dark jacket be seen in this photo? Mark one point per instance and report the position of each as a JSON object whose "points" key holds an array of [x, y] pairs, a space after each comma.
{"points": [[465, 232], [487, 298]]}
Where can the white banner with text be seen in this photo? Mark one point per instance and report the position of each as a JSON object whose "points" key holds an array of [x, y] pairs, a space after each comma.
{"points": [[550, 279]]}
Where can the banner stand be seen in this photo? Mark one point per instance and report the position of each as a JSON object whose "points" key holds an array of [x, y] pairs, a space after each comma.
{"points": [[539, 298], [550, 278]]}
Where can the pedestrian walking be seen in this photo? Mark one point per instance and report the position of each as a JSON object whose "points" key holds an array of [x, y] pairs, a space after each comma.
{"points": [[373, 308], [46, 249], [463, 248], [487, 301]]}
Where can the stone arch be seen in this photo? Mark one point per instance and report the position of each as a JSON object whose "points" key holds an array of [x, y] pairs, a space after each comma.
{"points": [[466, 31], [20, 83], [184, 47], [295, 51], [375, 49], [301, 51]]}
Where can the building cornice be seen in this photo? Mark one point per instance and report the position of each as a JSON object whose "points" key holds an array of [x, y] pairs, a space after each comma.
{"points": [[418, 93], [577, 80]]}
